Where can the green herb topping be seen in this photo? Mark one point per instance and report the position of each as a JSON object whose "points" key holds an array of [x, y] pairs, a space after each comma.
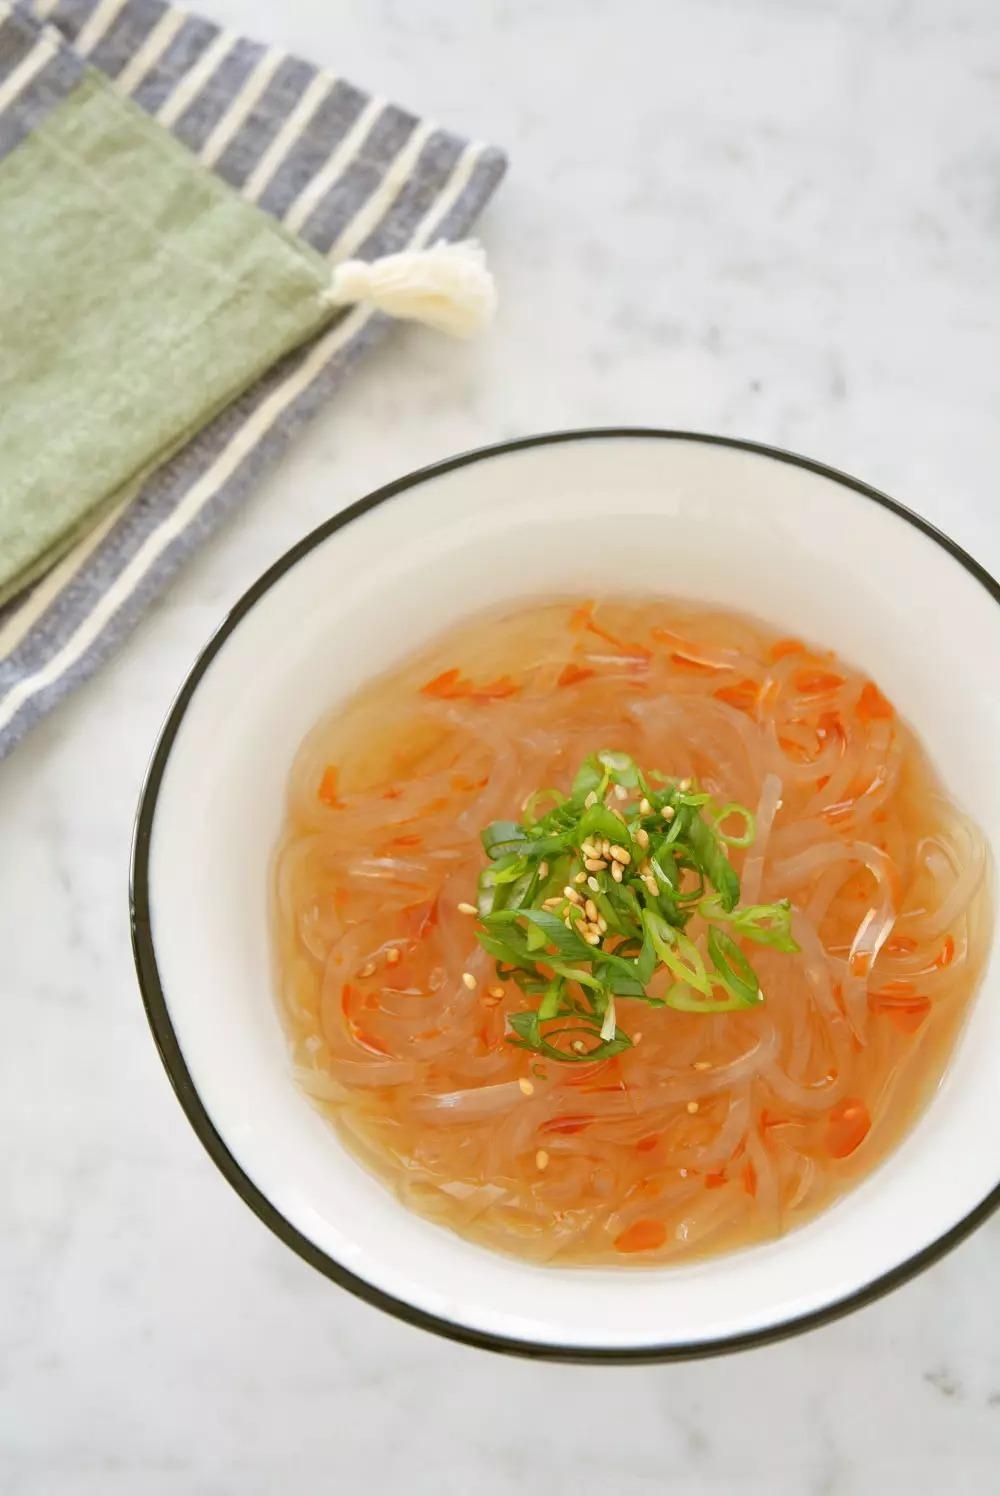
{"points": [[587, 902]]}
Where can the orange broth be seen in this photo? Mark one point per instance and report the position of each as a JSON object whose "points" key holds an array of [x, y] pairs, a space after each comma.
{"points": [[714, 1131]]}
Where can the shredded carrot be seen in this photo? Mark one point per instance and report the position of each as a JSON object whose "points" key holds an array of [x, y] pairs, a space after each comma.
{"points": [[571, 674], [749, 1178], [771, 1119], [899, 945], [872, 705], [782, 647], [651, 1188], [848, 1126], [628, 646], [829, 725], [794, 749], [648, 1143], [816, 682], [685, 662], [716, 1180], [327, 791], [685, 654], [904, 1008], [496, 690], [366, 1040], [860, 963], [909, 1019], [822, 781], [392, 794], [642, 1236], [893, 995], [743, 696], [583, 618], [566, 1125], [463, 782], [346, 999], [406, 841], [442, 685], [451, 685], [946, 954]]}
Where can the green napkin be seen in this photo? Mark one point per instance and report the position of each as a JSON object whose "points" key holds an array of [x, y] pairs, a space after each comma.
{"points": [[139, 294]]}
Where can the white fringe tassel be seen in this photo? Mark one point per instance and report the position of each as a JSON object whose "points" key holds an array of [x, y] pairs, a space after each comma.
{"points": [[447, 286]]}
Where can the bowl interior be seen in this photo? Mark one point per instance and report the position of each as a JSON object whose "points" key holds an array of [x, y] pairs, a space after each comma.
{"points": [[612, 513]]}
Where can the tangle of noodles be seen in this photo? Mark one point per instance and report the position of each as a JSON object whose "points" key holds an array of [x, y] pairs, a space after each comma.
{"points": [[714, 1131]]}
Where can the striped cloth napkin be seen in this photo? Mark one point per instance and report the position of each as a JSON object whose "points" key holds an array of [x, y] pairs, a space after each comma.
{"points": [[351, 174]]}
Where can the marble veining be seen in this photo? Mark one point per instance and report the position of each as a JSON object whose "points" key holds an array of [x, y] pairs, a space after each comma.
{"points": [[772, 218]]}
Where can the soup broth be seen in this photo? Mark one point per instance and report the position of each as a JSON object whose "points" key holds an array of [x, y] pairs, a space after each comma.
{"points": [[714, 1129]]}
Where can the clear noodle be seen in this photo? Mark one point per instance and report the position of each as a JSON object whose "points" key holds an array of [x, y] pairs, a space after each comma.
{"points": [[714, 1131]]}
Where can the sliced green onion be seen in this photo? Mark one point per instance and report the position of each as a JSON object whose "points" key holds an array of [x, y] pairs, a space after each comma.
{"points": [[749, 825], [609, 935]]}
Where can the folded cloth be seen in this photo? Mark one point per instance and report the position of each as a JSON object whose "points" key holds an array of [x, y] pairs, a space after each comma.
{"points": [[143, 297]]}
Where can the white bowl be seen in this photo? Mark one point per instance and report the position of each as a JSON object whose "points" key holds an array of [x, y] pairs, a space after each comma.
{"points": [[814, 552]]}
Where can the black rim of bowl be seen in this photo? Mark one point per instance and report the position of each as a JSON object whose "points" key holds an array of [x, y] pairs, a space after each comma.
{"points": [[157, 1011]]}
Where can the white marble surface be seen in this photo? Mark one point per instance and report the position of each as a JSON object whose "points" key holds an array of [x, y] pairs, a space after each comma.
{"points": [[773, 218]]}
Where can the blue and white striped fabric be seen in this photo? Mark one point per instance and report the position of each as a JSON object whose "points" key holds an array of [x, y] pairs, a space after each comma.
{"points": [[354, 175]]}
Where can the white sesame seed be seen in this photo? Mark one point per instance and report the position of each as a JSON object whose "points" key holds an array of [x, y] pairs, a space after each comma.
{"points": [[702, 1065], [368, 970], [616, 872], [526, 1086], [620, 855], [684, 785], [392, 955], [541, 1159], [602, 924], [606, 848], [637, 1036], [668, 812], [543, 870], [578, 1045], [580, 878], [590, 800], [593, 884], [644, 807], [464, 908], [496, 992], [692, 1107], [593, 937], [642, 837], [621, 793], [569, 892], [594, 864], [652, 885], [778, 804], [683, 1173], [468, 979], [591, 909]]}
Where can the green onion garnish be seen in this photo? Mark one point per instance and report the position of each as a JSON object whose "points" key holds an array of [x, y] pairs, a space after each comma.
{"points": [[586, 903]]}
